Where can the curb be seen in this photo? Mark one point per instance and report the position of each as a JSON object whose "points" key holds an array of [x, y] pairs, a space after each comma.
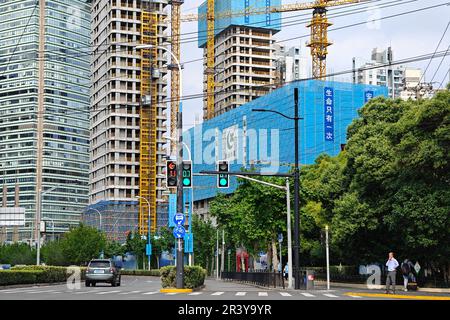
{"points": [[379, 287], [30, 285], [174, 290]]}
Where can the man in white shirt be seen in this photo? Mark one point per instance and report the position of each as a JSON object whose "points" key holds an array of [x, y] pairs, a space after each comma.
{"points": [[391, 265]]}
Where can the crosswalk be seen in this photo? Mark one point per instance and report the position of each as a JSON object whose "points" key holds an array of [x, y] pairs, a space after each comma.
{"points": [[200, 294]]}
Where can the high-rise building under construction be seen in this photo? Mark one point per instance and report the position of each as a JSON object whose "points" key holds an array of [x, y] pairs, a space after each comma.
{"points": [[244, 60], [128, 116]]}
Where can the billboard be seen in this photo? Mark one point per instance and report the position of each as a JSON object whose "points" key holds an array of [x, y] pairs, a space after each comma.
{"points": [[10, 217]]}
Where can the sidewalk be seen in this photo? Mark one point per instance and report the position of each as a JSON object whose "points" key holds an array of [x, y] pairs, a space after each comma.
{"points": [[377, 287]]}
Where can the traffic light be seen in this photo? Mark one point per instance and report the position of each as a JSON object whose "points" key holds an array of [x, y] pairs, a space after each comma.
{"points": [[223, 180], [171, 173], [187, 174]]}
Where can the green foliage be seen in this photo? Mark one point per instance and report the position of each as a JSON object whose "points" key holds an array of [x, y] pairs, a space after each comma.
{"points": [[17, 253], [10, 277], [389, 189], [149, 273], [52, 253], [82, 244], [204, 241], [114, 248], [162, 241], [194, 276]]}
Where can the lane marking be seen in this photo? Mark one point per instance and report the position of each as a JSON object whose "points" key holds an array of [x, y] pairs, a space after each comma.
{"points": [[330, 295], [396, 296], [309, 295], [151, 292], [219, 293], [130, 292], [39, 291], [241, 293], [195, 293], [262, 294], [171, 293], [107, 292], [355, 296], [285, 294]]}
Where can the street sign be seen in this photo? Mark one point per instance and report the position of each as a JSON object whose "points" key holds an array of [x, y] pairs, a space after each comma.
{"points": [[417, 267], [178, 219], [179, 232], [189, 243], [148, 249], [280, 237], [172, 208]]}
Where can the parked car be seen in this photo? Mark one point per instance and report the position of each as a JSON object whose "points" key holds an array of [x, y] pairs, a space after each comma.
{"points": [[102, 270]]}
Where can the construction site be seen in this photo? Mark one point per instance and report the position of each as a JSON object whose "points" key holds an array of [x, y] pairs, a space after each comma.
{"points": [[137, 88]]}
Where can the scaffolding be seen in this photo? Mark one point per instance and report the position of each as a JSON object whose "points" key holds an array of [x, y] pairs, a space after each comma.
{"points": [[148, 120]]}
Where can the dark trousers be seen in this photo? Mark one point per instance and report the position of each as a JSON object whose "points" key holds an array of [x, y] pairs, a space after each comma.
{"points": [[390, 279]]}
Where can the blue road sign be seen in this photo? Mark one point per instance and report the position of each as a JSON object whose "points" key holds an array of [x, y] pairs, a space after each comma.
{"points": [[178, 219], [280, 237], [172, 208], [148, 249], [179, 232], [188, 243]]}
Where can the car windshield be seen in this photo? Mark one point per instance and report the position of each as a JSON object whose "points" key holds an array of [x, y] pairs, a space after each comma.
{"points": [[99, 264]]}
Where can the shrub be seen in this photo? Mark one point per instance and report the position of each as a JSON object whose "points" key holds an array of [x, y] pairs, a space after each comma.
{"points": [[151, 273], [9, 277], [194, 276], [49, 274]]}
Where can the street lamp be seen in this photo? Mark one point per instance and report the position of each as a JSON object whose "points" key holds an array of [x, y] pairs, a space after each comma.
{"points": [[99, 215], [38, 223], [296, 118], [149, 220], [53, 226], [180, 260]]}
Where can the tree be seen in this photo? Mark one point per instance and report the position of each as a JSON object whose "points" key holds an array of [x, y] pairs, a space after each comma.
{"points": [[52, 253], [135, 244], [162, 241], [204, 241], [82, 244], [17, 253]]}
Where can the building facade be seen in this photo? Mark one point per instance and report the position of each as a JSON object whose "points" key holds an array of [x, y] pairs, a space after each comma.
{"points": [[116, 99], [290, 65], [243, 53], [392, 77], [265, 141], [44, 118]]}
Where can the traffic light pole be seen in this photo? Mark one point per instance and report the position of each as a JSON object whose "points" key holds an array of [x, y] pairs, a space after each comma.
{"points": [[296, 270], [180, 202]]}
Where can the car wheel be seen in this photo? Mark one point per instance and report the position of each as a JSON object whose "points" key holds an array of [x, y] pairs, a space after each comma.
{"points": [[93, 284], [118, 283], [113, 283], [88, 284]]}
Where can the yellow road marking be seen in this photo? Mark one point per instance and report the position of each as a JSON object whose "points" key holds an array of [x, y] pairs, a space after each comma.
{"points": [[396, 296], [173, 290]]}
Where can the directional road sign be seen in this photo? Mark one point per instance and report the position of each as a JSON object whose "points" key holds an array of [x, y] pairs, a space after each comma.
{"points": [[179, 232], [179, 219]]}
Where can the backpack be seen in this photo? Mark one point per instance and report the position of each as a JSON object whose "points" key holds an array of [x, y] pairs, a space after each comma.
{"points": [[405, 268]]}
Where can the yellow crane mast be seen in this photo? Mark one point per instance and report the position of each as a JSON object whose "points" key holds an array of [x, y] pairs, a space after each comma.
{"points": [[174, 79], [148, 122], [210, 60]]}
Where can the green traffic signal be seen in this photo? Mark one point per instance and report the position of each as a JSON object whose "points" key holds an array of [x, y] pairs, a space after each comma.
{"points": [[186, 182], [223, 181]]}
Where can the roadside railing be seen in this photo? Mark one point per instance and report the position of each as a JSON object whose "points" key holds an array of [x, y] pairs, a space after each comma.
{"points": [[260, 278]]}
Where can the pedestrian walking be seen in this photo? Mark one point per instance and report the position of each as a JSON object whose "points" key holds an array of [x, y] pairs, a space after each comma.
{"points": [[286, 271], [407, 268], [391, 265]]}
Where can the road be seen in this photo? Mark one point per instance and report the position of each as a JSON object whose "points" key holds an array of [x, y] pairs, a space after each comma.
{"points": [[147, 288]]}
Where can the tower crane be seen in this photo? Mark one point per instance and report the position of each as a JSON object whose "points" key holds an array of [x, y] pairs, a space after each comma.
{"points": [[318, 43]]}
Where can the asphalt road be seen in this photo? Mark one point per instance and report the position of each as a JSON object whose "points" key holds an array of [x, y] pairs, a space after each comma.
{"points": [[147, 288]]}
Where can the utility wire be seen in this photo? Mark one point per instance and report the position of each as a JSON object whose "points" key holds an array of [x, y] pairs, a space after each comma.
{"points": [[440, 64]]}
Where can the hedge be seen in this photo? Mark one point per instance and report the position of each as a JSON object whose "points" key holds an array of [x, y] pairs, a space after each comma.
{"points": [[150, 273], [36, 274], [194, 276]]}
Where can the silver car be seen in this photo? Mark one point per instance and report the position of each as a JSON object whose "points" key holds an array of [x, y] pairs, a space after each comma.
{"points": [[102, 270]]}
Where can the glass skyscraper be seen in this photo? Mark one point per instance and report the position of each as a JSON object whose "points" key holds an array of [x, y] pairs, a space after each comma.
{"points": [[44, 110]]}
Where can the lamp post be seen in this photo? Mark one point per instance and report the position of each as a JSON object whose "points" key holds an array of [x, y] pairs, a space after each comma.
{"points": [[148, 236], [99, 215], [296, 118], [38, 223], [53, 226], [180, 204]]}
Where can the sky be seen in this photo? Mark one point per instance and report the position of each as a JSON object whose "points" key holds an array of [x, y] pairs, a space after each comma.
{"points": [[409, 35]]}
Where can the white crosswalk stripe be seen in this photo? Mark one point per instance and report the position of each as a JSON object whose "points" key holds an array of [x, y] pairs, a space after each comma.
{"points": [[151, 292], [355, 296], [309, 295], [219, 293], [285, 294], [130, 292], [107, 292], [241, 293], [39, 291], [262, 294], [330, 295], [195, 293], [171, 293]]}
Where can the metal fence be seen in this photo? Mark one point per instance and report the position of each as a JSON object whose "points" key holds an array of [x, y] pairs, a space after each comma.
{"points": [[262, 278]]}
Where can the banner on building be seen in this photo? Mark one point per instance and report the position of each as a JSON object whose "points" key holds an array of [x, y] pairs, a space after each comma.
{"points": [[329, 113]]}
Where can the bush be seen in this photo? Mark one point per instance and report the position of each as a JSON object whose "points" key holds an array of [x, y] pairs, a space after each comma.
{"points": [[150, 273], [9, 277], [49, 274], [194, 276]]}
